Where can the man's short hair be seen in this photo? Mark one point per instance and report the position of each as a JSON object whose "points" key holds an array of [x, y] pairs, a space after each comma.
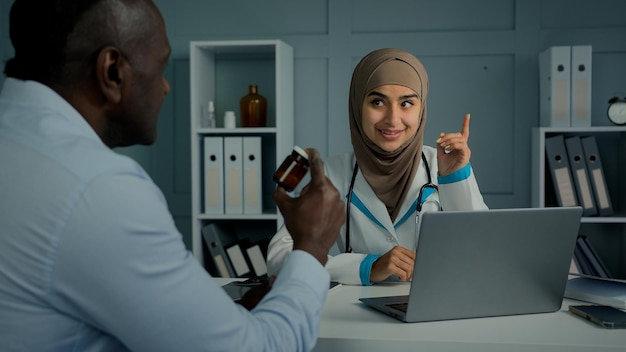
{"points": [[39, 30]]}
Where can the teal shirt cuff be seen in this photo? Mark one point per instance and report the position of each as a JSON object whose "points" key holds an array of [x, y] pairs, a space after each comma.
{"points": [[459, 175], [366, 268]]}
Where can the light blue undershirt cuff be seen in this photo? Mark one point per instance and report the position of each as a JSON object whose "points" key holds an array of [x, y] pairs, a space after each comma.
{"points": [[366, 268], [459, 175]]}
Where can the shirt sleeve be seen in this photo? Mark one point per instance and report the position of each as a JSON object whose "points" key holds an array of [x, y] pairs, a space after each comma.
{"points": [[278, 249], [121, 267], [346, 268]]}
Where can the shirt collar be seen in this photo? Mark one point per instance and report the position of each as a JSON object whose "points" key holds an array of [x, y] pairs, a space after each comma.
{"points": [[35, 95]]}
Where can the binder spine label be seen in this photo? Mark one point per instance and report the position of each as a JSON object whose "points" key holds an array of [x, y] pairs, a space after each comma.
{"points": [[564, 184]]}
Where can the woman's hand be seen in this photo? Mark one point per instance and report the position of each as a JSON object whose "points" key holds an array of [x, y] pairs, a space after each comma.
{"points": [[398, 261], [453, 153]]}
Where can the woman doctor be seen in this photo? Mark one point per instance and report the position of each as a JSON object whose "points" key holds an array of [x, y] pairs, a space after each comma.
{"points": [[390, 177]]}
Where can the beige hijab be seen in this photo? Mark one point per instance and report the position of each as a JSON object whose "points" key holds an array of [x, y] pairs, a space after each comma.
{"points": [[390, 174]]}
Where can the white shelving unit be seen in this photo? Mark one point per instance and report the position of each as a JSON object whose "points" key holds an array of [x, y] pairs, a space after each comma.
{"points": [[608, 231], [221, 71]]}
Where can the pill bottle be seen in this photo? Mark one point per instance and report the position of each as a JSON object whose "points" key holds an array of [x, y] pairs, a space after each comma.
{"points": [[229, 119], [293, 169]]}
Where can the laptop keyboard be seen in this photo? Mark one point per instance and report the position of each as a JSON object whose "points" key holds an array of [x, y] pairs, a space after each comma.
{"points": [[399, 306]]}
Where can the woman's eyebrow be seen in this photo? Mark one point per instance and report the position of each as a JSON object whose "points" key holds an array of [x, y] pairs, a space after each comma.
{"points": [[381, 95], [378, 94], [409, 96]]}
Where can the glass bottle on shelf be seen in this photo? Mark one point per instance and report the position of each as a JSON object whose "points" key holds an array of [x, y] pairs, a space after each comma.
{"points": [[253, 108], [208, 115]]}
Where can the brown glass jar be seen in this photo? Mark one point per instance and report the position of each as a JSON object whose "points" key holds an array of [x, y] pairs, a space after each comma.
{"points": [[253, 108], [293, 169]]}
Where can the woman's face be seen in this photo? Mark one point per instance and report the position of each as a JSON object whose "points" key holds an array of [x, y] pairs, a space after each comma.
{"points": [[391, 115]]}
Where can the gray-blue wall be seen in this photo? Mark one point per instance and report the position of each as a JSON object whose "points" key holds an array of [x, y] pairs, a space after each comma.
{"points": [[481, 56]]}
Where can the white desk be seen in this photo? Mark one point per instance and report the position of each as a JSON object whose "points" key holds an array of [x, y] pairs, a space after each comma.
{"points": [[348, 325]]}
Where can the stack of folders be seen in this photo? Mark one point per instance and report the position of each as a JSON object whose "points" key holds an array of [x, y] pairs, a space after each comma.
{"points": [[587, 260], [577, 174], [565, 86], [232, 175], [611, 292], [233, 257]]}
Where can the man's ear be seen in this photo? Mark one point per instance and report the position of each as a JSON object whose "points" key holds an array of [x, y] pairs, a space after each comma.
{"points": [[111, 71]]}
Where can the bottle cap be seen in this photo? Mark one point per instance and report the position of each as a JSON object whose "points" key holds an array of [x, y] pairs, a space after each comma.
{"points": [[301, 151], [211, 106]]}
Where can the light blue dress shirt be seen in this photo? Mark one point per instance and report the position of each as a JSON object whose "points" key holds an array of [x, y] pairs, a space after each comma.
{"points": [[90, 258]]}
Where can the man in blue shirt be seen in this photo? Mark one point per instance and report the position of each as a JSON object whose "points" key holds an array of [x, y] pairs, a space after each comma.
{"points": [[90, 259]]}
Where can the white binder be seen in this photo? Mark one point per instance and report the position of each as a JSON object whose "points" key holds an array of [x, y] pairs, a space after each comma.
{"points": [[581, 86], [213, 175], [238, 260], [252, 190], [257, 260], [554, 86], [233, 190]]}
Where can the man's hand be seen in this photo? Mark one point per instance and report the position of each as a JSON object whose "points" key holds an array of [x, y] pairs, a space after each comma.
{"points": [[316, 216], [253, 296]]}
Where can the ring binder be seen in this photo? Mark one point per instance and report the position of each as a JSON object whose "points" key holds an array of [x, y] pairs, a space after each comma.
{"points": [[581, 86], [560, 171], [596, 174], [252, 192], [554, 86], [213, 175], [580, 175], [216, 239], [233, 175]]}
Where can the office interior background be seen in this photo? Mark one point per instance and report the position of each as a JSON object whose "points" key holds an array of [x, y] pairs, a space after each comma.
{"points": [[481, 56]]}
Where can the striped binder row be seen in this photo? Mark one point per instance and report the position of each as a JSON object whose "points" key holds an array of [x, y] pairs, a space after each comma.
{"points": [[565, 86], [232, 175], [577, 175], [233, 257], [587, 260]]}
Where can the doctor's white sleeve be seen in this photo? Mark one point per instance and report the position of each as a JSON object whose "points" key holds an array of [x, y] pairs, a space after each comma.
{"points": [[344, 268]]}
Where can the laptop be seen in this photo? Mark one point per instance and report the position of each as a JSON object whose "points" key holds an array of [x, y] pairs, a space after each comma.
{"points": [[485, 263]]}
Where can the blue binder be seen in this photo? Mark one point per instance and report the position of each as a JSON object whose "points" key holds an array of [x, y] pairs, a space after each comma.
{"points": [[558, 163], [596, 175], [580, 176]]}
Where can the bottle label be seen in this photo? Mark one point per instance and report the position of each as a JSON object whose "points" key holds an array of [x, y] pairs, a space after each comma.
{"points": [[288, 171]]}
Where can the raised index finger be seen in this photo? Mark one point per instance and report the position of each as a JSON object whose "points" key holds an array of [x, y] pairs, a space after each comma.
{"points": [[465, 129]]}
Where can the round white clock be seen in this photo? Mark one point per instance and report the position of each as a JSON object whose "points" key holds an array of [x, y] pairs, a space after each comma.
{"points": [[617, 111]]}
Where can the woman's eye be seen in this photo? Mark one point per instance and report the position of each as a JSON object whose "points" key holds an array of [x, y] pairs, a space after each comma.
{"points": [[407, 104], [377, 102]]}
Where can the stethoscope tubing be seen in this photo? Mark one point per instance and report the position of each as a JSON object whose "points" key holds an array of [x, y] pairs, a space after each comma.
{"points": [[350, 190]]}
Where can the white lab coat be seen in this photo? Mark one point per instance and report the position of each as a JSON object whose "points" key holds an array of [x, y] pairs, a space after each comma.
{"points": [[374, 233]]}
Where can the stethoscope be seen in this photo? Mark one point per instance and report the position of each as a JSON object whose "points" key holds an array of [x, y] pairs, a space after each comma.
{"points": [[418, 207]]}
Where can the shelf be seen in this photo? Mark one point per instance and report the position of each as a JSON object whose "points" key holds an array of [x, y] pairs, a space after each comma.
{"points": [[604, 220], [607, 233], [238, 131], [582, 130], [221, 71], [611, 142], [242, 217]]}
